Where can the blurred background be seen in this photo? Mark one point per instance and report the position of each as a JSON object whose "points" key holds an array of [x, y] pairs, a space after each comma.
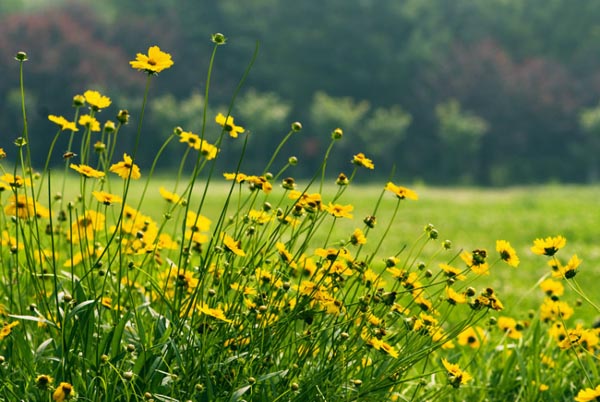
{"points": [[461, 92]]}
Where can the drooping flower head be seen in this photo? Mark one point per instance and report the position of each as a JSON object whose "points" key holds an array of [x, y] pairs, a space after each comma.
{"points": [[548, 246], [153, 63], [456, 376], [361, 160], [228, 124], [87, 171], [507, 253], [63, 392], [63, 123], [401, 192]]}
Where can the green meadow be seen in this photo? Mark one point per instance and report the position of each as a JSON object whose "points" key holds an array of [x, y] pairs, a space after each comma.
{"points": [[470, 218]]}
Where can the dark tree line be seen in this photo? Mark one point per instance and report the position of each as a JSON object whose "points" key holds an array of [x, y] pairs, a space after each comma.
{"points": [[472, 92]]}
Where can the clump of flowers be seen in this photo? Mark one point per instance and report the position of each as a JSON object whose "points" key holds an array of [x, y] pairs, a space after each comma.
{"points": [[277, 293]]}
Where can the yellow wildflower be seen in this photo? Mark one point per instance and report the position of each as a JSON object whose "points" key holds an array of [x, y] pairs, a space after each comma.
{"points": [[507, 253], [87, 171], [548, 246], [228, 124], [155, 62], [126, 168], [90, 122], [96, 100], [401, 192], [63, 123], [360, 160]]}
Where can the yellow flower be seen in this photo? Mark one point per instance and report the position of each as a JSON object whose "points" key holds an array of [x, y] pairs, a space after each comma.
{"points": [[85, 226], [43, 381], [453, 297], [213, 312], [358, 237], [548, 246], [194, 141], [87, 171], [63, 123], [510, 327], [588, 394], [169, 196], [228, 125], [507, 253], [126, 168], [568, 271], [476, 261], [2, 153], [90, 122], [456, 376], [552, 288], [552, 310], [232, 245], [96, 100], [63, 392], [15, 181], [472, 336], [361, 160], [238, 177], [155, 62], [401, 192], [197, 223], [106, 198], [339, 211], [20, 206], [452, 272], [7, 329]]}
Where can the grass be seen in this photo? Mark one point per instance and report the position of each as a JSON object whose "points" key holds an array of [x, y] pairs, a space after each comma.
{"points": [[470, 217], [250, 290]]}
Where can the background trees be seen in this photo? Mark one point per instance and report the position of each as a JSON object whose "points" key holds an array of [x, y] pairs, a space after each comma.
{"points": [[380, 70]]}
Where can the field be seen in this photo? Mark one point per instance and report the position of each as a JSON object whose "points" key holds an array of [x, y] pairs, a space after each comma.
{"points": [[471, 218]]}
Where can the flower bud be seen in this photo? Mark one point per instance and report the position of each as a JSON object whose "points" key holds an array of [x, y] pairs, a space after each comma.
{"points": [[109, 126], [337, 134], [218, 39], [21, 56], [78, 100], [342, 180], [296, 126], [292, 160], [99, 147], [123, 116]]}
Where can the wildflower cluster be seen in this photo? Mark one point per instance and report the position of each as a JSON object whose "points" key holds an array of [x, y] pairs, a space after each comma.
{"points": [[103, 298]]}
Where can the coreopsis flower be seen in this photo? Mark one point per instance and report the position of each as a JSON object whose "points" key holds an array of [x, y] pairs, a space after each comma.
{"points": [[567, 271], [2, 153], [339, 211], [456, 376], [20, 206], [63, 123], [507, 253], [63, 392], [588, 394], [96, 100], [453, 297], [217, 313], [259, 183], [232, 245], [358, 237], [194, 141], [15, 181], [401, 192], [126, 168], [472, 337], [153, 63], [383, 346], [452, 272], [169, 196], [552, 288], [87, 171], [554, 310], [85, 226], [90, 122], [228, 125], [7, 329], [361, 160], [43, 381], [548, 246], [106, 198], [476, 261], [238, 177], [510, 326]]}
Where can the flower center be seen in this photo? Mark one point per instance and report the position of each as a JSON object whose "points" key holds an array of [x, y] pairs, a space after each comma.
{"points": [[152, 62]]}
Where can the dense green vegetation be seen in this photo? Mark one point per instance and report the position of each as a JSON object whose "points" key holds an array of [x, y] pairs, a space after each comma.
{"points": [[519, 74]]}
